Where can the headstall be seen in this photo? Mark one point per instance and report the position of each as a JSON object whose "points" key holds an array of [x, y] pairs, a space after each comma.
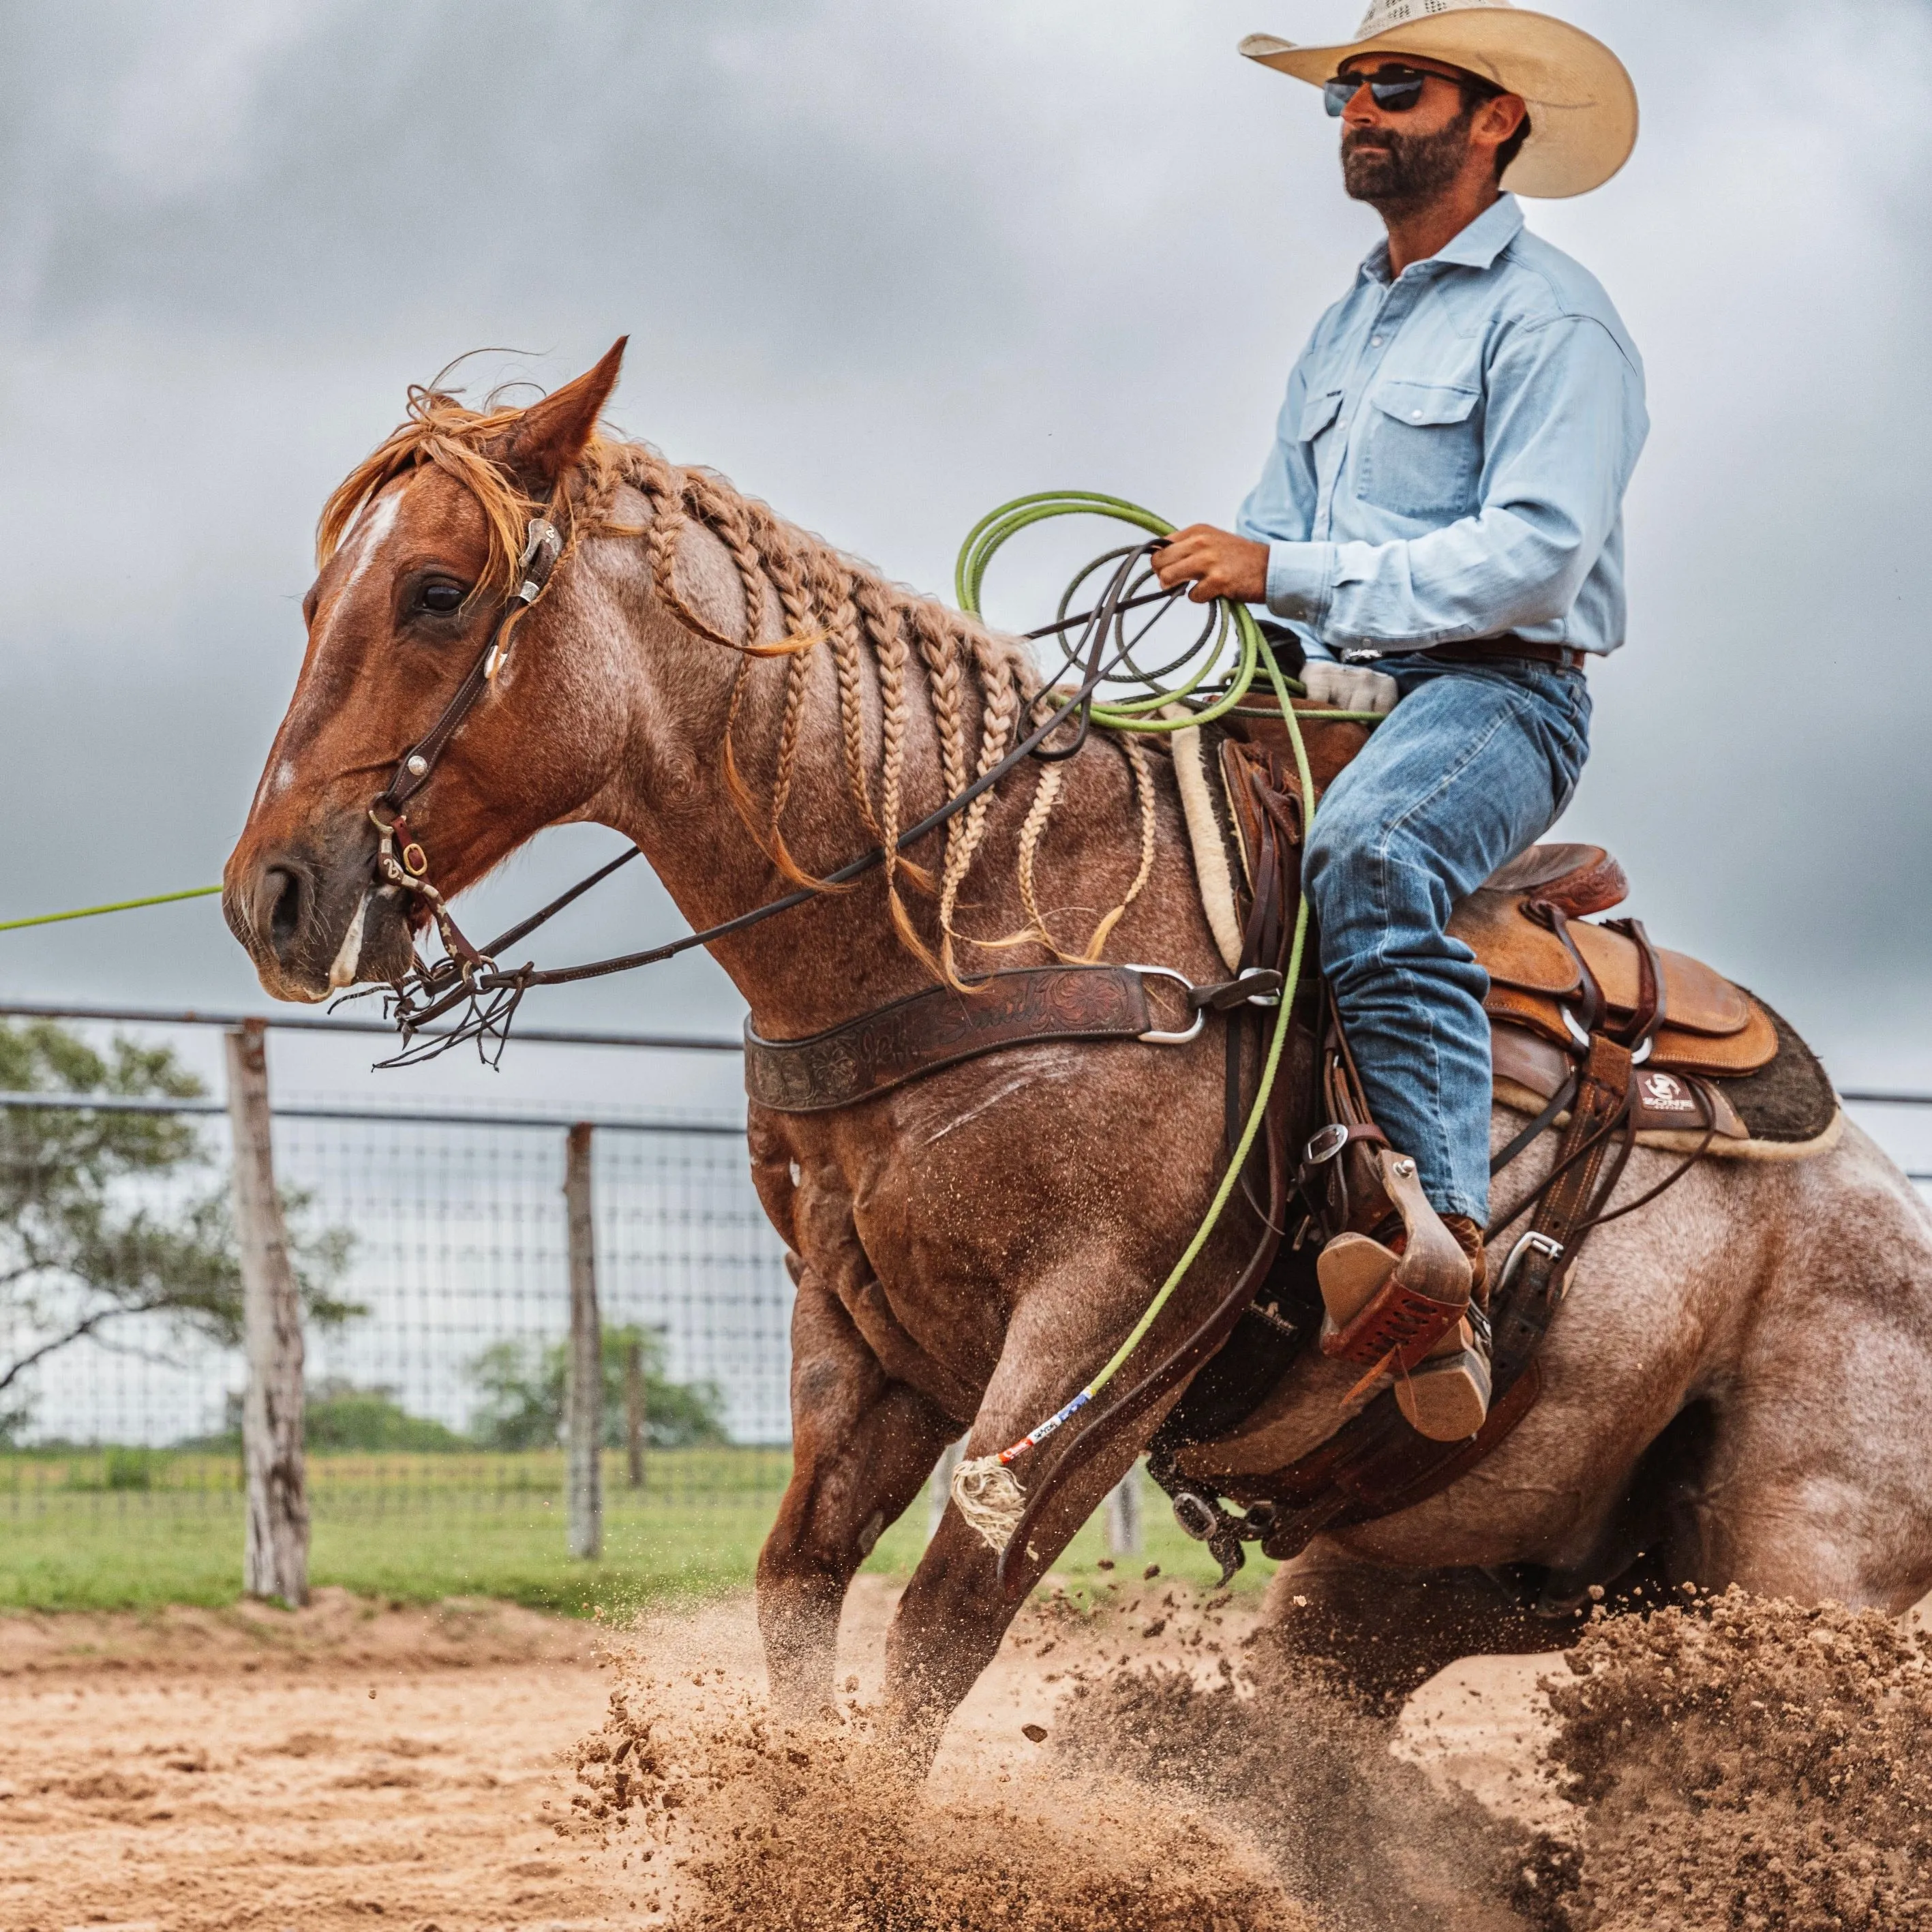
{"points": [[400, 860], [469, 975]]}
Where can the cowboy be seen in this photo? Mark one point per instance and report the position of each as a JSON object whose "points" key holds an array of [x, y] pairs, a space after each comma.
{"points": [[1443, 503]]}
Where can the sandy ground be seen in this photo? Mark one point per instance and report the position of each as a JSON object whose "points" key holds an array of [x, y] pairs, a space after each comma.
{"points": [[351, 1765], [342, 1767]]}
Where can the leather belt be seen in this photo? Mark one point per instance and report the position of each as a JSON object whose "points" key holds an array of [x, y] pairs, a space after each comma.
{"points": [[1483, 650], [1486, 650]]}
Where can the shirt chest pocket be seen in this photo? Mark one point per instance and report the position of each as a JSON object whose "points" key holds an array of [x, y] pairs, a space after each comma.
{"points": [[1423, 451], [1318, 414]]}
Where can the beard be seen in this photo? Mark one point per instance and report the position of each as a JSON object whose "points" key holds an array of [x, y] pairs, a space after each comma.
{"points": [[1397, 174]]}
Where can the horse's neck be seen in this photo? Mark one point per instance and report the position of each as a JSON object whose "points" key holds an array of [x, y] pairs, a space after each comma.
{"points": [[825, 960]]}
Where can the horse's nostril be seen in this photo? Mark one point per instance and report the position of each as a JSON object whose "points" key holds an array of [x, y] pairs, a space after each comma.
{"points": [[281, 899]]}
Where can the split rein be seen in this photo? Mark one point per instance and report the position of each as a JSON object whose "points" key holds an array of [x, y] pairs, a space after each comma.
{"points": [[468, 976]]}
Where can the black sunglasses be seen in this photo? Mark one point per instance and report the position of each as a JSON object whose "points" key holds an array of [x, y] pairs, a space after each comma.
{"points": [[1395, 89]]}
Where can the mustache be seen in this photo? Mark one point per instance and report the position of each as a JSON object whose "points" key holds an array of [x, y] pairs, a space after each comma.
{"points": [[1375, 139]]}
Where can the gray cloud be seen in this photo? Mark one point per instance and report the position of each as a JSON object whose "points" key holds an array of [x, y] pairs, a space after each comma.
{"points": [[887, 265]]}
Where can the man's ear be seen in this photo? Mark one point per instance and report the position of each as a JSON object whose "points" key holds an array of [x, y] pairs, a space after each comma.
{"points": [[552, 434], [1503, 114]]}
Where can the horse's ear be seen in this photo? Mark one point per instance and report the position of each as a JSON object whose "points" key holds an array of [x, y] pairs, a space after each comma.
{"points": [[551, 435]]}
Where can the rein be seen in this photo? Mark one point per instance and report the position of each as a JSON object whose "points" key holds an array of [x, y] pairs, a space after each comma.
{"points": [[877, 1050], [986, 1490], [469, 975]]}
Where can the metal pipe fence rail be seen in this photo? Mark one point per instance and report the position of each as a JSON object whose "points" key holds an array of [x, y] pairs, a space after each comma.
{"points": [[406, 1358]]}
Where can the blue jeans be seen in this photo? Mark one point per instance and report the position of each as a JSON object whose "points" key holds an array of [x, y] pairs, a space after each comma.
{"points": [[1472, 767]]}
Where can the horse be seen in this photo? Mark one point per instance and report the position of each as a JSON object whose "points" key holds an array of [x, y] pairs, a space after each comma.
{"points": [[1740, 1379]]}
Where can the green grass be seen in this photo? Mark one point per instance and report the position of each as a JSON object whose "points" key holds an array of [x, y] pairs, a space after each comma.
{"points": [[79, 1530]]}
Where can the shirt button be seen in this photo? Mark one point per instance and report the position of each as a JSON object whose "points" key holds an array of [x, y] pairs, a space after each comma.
{"points": [[1374, 342], [1415, 416]]}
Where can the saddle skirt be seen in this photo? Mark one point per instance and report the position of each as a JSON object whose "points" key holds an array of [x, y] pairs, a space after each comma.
{"points": [[1538, 1001]]}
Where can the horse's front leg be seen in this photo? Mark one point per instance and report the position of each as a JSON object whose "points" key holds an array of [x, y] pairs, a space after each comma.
{"points": [[953, 1613], [862, 1446]]}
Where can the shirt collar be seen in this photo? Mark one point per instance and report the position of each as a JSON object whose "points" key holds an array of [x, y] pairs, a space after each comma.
{"points": [[1477, 247]]}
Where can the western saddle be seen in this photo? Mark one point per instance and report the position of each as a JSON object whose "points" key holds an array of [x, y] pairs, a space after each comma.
{"points": [[1598, 1034]]}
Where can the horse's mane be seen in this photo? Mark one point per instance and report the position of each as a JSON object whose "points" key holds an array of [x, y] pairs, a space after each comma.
{"points": [[827, 597]]}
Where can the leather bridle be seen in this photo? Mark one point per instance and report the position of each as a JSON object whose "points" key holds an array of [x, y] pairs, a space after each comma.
{"points": [[400, 861], [469, 975]]}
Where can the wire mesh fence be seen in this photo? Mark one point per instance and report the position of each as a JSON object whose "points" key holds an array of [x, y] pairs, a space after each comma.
{"points": [[432, 1256]]}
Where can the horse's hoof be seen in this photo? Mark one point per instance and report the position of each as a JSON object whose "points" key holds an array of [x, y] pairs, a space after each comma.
{"points": [[1447, 1398]]}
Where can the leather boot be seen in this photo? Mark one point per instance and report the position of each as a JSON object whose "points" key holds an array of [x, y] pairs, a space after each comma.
{"points": [[1469, 1239], [1446, 1396]]}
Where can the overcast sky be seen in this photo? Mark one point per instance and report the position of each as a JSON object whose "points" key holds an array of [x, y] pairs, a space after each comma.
{"points": [[887, 265]]}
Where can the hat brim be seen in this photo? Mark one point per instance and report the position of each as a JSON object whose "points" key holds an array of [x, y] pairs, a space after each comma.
{"points": [[1583, 103]]}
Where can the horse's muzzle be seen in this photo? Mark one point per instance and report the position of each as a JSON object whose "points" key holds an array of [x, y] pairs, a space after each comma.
{"points": [[312, 920]]}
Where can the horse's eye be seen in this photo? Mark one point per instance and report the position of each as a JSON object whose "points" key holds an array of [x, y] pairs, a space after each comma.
{"points": [[441, 599]]}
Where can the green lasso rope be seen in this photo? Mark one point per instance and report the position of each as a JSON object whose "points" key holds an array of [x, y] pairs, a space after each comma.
{"points": [[120, 905], [981, 544], [986, 537]]}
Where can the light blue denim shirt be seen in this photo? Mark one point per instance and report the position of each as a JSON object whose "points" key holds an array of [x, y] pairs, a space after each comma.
{"points": [[1451, 459]]}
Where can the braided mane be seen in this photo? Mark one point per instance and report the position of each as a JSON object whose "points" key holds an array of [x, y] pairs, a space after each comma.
{"points": [[827, 597]]}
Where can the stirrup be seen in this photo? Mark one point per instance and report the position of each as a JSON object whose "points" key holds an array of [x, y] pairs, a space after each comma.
{"points": [[1381, 1304]]}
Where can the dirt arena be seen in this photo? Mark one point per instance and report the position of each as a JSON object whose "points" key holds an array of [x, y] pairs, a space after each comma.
{"points": [[1141, 1765]]}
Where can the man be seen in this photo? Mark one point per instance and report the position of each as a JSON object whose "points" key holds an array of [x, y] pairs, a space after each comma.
{"points": [[1444, 501]]}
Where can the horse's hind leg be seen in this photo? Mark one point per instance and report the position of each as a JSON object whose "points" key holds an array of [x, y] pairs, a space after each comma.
{"points": [[862, 1446], [1819, 1485], [1825, 1530]]}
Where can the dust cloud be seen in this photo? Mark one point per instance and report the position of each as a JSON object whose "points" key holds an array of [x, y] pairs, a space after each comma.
{"points": [[1752, 1765], [1723, 1763]]}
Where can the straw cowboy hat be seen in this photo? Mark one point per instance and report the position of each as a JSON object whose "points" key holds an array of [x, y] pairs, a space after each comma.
{"points": [[1583, 106]]}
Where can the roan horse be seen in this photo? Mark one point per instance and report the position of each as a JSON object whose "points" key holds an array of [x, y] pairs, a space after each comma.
{"points": [[1741, 1378]]}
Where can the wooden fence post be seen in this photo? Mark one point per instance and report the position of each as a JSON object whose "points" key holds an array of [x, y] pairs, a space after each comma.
{"points": [[636, 1415], [275, 1556], [1123, 1514], [583, 1427]]}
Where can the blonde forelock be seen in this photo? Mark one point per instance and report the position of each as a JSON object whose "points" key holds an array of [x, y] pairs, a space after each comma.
{"points": [[440, 432]]}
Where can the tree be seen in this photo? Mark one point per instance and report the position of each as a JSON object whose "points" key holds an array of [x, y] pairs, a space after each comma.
{"points": [[105, 1217], [339, 1414], [522, 1385]]}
